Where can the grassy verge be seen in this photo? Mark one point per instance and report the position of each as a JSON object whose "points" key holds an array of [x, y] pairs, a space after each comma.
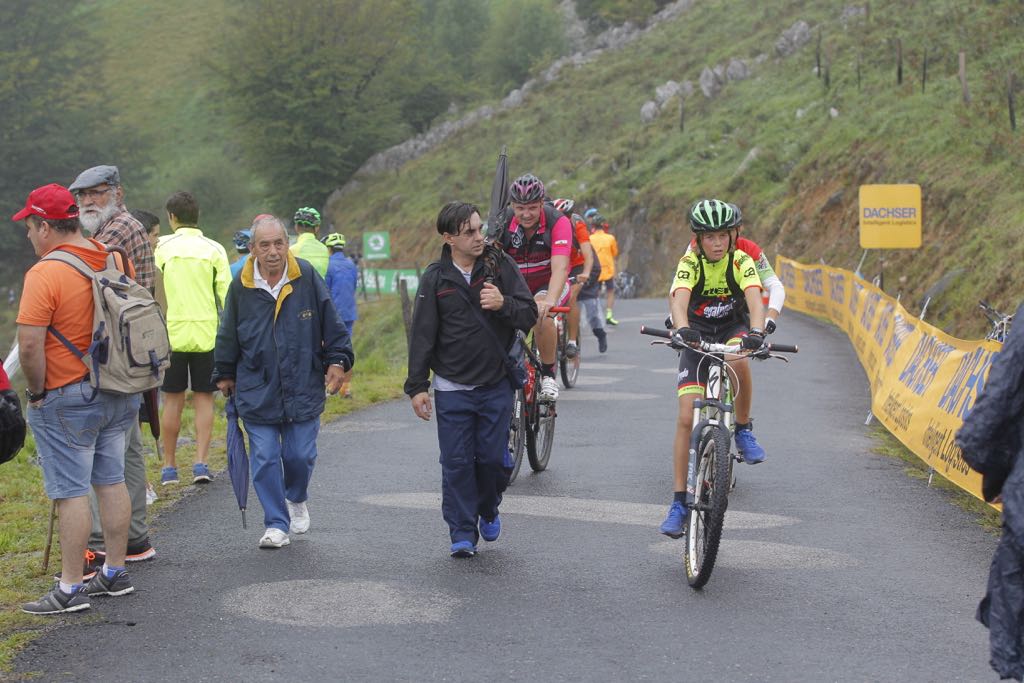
{"points": [[24, 509], [985, 515]]}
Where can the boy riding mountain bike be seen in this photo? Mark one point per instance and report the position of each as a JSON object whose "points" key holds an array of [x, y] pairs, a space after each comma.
{"points": [[715, 297]]}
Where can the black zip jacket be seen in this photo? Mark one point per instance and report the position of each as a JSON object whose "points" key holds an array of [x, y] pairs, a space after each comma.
{"points": [[448, 338]]}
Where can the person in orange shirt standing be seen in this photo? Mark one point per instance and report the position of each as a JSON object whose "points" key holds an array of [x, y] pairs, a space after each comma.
{"points": [[80, 435], [607, 248]]}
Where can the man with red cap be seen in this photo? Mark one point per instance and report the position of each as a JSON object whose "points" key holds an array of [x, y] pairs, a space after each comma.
{"points": [[80, 437]]}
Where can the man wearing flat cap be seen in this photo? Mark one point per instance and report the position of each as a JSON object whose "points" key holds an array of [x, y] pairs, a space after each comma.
{"points": [[102, 212]]}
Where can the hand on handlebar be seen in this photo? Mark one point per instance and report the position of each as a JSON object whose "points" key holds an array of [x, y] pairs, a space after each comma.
{"points": [[753, 340], [686, 336], [769, 327]]}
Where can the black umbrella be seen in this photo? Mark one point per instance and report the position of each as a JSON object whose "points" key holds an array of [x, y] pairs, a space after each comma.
{"points": [[499, 195], [238, 458]]}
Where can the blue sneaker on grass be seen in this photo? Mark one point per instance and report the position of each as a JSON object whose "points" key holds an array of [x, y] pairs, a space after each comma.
{"points": [[748, 446], [463, 549], [490, 531], [201, 473], [168, 475], [674, 525]]}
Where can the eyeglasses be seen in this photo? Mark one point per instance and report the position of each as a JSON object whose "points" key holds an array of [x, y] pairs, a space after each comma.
{"points": [[91, 194]]}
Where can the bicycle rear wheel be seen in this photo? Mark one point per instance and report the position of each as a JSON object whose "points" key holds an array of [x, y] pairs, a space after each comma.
{"points": [[570, 367], [517, 433], [543, 438], [704, 525]]}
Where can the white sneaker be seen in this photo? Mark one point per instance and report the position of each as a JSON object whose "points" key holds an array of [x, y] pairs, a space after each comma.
{"points": [[548, 389], [274, 538], [151, 496], [300, 517]]}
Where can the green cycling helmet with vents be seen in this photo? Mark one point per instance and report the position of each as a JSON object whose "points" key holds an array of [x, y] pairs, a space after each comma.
{"points": [[307, 216], [712, 215], [335, 239]]}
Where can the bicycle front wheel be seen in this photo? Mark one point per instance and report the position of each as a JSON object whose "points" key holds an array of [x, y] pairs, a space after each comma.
{"points": [[704, 526], [570, 367], [543, 439], [517, 434]]}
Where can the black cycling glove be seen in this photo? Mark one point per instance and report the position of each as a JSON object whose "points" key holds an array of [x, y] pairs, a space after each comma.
{"points": [[686, 336], [769, 326], [753, 340]]}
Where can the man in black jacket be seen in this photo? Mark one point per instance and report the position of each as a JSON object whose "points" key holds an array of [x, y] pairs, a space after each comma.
{"points": [[473, 391], [992, 442]]}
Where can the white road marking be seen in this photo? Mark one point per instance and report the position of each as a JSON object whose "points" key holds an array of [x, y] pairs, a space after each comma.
{"points": [[341, 604], [345, 426], [580, 509], [571, 396], [757, 555], [586, 380], [609, 366]]}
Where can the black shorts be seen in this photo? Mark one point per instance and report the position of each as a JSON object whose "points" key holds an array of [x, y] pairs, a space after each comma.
{"points": [[693, 366], [608, 285], [194, 365]]}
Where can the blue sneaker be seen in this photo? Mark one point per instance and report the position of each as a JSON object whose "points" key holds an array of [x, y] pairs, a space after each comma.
{"points": [[463, 549], [490, 531], [201, 473], [749, 448], [674, 525], [168, 475]]}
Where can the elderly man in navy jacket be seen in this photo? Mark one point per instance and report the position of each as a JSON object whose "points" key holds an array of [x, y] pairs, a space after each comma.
{"points": [[471, 386], [279, 337]]}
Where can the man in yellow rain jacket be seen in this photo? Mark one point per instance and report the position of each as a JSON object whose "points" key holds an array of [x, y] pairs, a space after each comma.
{"points": [[196, 278]]}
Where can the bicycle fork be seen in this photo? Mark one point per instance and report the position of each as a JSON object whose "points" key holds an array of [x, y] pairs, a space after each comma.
{"points": [[717, 417]]}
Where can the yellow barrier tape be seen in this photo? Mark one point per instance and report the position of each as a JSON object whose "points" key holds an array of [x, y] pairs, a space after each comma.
{"points": [[923, 382]]}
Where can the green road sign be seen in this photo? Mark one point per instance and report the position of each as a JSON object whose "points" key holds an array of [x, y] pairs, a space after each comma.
{"points": [[385, 280], [376, 246]]}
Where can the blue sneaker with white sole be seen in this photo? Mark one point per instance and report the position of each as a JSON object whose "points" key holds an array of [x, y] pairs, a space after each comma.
{"points": [[168, 475], [748, 446], [463, 549], [674, 525], [489, 531]]}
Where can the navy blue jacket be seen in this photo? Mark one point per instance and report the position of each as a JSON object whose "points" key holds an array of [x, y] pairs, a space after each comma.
{"points": [[278, 351], [342, 277]]}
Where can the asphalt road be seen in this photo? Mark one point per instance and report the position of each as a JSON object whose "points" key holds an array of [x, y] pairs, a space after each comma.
{"points": [[835, 564]]}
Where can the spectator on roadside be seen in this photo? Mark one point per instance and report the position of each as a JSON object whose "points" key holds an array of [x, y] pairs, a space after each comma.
{"points": [[151, 224], [588, 299], [241, 243], [342, 279], [457, 296], [279, 338], [196, 275], [56, 296], [607, 248], [992, 442], [100, 198], [307, 246]]}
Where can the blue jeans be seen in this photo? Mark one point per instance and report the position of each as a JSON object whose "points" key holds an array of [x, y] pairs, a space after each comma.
{"points": [[472, 431], [80, 442], [282, 458]]}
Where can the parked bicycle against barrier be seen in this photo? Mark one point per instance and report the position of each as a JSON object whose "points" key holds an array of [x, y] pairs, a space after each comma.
{"points": [[533, 421], [709, 475], [626, 284], [1000, 322]]}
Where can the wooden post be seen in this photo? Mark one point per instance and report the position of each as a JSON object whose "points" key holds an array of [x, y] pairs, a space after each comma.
{"points": [[924, 70], [362, 282], [899, 61], [817, 56], [403, 291], [963, 77], [682, 113], [376, 280], [1010, 100], [828, 77], [858, 73]]}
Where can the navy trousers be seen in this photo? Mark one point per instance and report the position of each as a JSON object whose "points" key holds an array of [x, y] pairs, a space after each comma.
{"points": [[472, 431]]}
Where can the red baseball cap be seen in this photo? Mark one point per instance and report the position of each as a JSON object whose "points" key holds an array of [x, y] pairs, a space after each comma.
{"points": [[53, 202]]}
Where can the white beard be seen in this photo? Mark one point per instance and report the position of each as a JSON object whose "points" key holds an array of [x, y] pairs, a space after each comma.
{"points": [[93, 219]]}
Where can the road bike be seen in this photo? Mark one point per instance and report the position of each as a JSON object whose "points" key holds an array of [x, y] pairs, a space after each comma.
{"points": [[568, 367], [532, 430], [709, 475], [1000, 322]]}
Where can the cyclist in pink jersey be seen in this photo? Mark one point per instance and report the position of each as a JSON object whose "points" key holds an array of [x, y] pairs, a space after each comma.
{"points": [[539, 240]]}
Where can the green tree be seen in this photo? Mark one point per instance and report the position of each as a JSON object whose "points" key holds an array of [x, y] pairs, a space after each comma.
{"points": [[521, 35]]}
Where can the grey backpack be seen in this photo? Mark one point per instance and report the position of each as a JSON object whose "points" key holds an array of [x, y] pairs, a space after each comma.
{"points": [[129, 350]]}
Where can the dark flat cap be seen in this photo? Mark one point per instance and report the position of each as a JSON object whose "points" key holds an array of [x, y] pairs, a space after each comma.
{"points": [[97, 175]]}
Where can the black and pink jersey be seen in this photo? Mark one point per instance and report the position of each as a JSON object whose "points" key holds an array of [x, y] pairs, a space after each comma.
{"points": [[533, 254]]}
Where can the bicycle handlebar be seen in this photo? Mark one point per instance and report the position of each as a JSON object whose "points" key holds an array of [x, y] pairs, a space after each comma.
{"points": [[719, 348], [559, 309]]}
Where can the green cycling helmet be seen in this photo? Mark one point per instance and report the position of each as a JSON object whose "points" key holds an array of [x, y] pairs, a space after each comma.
{"points": [[307, 215], [335, 240], [713, 215]]}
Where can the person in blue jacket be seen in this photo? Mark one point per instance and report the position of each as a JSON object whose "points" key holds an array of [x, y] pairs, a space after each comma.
{"points": [[241, 243], [342, 279], [279, 336]]}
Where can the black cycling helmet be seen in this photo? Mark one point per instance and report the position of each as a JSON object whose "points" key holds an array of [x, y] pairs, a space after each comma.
{"points": [[713, 215], [307, 216], [526, 189]]}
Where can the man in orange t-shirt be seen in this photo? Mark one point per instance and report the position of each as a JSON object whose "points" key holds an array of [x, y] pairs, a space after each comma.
{"points": [[80, 434]]}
